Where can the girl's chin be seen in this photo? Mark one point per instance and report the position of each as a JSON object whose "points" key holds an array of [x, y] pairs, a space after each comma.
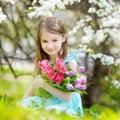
{"points": [[52, 54]]}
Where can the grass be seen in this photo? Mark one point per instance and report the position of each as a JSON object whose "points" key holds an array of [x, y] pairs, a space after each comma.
{"points": [[12, 90]]}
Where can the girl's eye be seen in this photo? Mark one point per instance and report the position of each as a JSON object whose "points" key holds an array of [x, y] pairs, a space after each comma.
{"points": [[55, 40], [44, 41]]}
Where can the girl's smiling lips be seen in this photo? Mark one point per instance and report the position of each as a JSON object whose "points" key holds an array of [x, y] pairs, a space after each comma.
{"points": [[50, 50]]}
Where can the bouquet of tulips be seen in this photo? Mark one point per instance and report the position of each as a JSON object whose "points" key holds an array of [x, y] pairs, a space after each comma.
{"points": [[62, 76]]}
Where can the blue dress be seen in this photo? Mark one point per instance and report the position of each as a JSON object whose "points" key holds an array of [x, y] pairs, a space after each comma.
{"points": [[73, 107]]}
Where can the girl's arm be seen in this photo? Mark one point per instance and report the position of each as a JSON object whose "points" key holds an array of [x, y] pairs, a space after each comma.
{"points": [[32, 88], [39, 82], [66, 96]]}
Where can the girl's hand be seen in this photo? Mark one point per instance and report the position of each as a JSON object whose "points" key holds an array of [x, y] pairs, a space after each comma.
{"points": [[38, 81]]}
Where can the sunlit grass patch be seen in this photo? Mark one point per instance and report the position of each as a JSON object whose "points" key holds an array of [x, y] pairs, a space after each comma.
{"points": [[12, 111], [15, 112], [18, 72], [12, 91], [14, 88]]}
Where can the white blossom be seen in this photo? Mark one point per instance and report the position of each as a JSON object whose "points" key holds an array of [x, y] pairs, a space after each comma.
{"points": [[101, 13], [83, 47], [88, 30], [99, 55], [106, 78], [110, 21], [86, 39], [96, 56], [116, 83], [34, 2], [92, 10], [88, 18], [38, 12], [71, 40], [92, 1], [115, 35], [107, 60], [117, 62], [99, 37], [79, 24], [72, 1], [7, 45], [9, 1], [47, 7], [105, 7], [114, 50], [2, 16]]}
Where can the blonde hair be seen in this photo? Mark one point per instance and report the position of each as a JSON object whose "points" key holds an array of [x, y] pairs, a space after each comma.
{"points": [[53, 25]]}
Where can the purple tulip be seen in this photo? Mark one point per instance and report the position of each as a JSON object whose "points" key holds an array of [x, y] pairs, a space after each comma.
{"points": [[69, 86], [80, 87], [81, 80], [78, 81], [77, 86], [81, 68], [71, 73]]}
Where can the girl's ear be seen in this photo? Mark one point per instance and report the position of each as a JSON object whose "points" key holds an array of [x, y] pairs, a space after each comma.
{"points": [[64, 37]]}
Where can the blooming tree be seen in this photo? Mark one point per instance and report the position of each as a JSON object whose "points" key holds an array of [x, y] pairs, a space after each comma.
{"points": [[100, 27], [107, 17], [107, 14]]}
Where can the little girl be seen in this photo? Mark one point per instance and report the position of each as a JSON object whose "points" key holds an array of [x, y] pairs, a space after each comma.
{"points": [[52, 43]]}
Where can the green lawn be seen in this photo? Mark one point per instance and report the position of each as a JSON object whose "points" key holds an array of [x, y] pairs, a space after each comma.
{"points": [[12, 90]]}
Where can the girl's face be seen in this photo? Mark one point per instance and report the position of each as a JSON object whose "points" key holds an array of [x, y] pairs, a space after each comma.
{"points": [[51, 43]]}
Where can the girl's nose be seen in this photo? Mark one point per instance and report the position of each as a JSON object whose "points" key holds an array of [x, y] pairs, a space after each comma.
{"points": [[50, 45]]}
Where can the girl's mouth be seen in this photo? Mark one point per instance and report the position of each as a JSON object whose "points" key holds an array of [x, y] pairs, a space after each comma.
{"points": [[51, 50]]}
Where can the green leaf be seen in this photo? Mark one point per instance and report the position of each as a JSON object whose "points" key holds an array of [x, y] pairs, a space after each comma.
{"points": [[42, 93]]}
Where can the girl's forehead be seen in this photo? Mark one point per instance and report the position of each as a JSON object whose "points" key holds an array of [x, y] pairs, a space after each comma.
{"points": [[49, 33]]}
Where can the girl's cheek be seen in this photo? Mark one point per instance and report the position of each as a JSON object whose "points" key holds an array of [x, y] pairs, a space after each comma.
{"points": [[44, 44], [58, 43]]}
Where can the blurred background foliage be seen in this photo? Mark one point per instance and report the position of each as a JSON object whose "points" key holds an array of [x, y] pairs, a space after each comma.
{"points": [[17, 52]]}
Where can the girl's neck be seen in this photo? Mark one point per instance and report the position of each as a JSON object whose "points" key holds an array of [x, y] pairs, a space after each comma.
{"points": [[52, 58]]}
